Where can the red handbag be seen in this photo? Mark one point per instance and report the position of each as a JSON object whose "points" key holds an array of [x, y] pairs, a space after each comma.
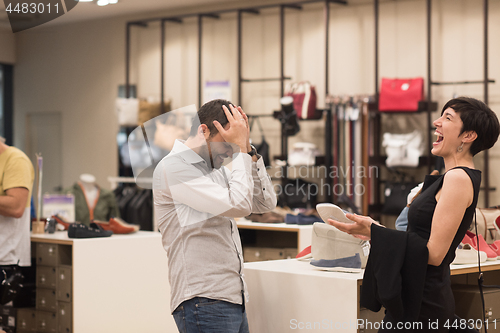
{"points": [[304, 99], [400, 94]]}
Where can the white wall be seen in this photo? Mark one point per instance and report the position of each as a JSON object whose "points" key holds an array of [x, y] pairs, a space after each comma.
{"points": [[7, 46], [76, 68]]}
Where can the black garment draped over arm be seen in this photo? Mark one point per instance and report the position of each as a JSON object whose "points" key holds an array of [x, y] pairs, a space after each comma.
{"points": [[395, 273]]}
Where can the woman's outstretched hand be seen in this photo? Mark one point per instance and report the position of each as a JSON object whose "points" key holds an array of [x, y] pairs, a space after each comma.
{"points": [[361, 228]]}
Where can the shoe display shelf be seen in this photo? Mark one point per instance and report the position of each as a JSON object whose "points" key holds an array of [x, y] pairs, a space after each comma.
{"points": [[113, 284], [293, 295], [272, 241]]}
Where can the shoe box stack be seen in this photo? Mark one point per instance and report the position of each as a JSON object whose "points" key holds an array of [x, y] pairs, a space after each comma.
{"points": [[252, 254], [261, 245], [53, 312], [469, 306]]}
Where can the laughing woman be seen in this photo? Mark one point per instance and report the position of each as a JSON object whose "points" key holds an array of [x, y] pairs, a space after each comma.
{"points": [[409, 272]]}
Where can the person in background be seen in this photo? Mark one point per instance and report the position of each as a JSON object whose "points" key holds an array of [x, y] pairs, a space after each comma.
{"points": [[16, 182], [402, 220], [196, 199], [409, 272]]}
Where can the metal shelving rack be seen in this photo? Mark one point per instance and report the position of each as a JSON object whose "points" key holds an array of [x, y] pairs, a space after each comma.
{"points": [[430, 106], [485, 81], [255, 10]]}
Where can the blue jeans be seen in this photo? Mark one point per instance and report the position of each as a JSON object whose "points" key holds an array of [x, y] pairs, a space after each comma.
{"points": [[207, 315]]}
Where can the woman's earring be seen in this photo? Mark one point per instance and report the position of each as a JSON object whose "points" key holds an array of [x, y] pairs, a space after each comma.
{"points": [[460, 148]]}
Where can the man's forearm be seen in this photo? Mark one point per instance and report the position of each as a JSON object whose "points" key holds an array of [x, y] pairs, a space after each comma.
{"points": [[14, 202], [8, 206], [264, 196]]}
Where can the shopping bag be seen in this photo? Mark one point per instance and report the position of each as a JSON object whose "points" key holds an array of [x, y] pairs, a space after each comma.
{"points": [[401, 94], [304, 99]]}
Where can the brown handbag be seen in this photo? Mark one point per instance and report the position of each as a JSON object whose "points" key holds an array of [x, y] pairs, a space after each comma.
{"points": [[174, 128], [485, 218], [148, 111]]}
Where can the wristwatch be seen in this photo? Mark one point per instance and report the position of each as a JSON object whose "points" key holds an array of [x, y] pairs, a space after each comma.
{"points": [[252, 152]]}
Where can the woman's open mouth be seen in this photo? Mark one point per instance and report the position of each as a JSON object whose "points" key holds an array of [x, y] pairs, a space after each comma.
{"points": [[439, 138]]}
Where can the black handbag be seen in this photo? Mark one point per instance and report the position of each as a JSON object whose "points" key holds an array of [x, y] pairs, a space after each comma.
{"points": [[263, 147], [395, 195], [298, 193], [289, 120]]}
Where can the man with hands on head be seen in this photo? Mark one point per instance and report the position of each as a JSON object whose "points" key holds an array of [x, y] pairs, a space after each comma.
{"points": [[196, 199]]}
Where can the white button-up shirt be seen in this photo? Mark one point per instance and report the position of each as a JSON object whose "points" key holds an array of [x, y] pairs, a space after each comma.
{"points": [[194, 207]]}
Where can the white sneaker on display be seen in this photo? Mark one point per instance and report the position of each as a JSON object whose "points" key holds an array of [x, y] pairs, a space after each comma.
{"points": [[331, 211], [330, 243], [466, 254]]}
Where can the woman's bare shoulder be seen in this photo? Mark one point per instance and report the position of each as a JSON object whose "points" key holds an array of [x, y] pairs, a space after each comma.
{"points": [[457, 175]]}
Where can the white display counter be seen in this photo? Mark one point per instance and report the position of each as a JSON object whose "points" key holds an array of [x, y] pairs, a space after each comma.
{"points": [[119, 283], [292, 296]]}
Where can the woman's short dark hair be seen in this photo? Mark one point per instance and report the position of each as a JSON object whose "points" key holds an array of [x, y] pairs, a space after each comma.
{"points": [[478, 117], [209, 112]]}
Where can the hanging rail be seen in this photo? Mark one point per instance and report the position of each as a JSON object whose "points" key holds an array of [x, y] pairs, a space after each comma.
{"points": [[246, 9]]}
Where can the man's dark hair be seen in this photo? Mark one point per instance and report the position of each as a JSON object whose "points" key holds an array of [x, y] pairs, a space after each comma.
{"points": [[209, 112], [478, 117]]}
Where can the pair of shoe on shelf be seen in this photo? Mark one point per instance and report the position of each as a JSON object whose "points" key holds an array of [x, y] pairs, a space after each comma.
{"points": [[115, 224], [466, 253], [94, 230]]}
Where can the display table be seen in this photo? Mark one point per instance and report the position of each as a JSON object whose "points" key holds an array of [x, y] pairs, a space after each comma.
{"points": [[487, 266], [119, 283], [291, 295]]}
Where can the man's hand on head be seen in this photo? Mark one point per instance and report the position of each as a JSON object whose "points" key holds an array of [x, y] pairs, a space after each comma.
{"points": [[248, 127], [238, 131]]}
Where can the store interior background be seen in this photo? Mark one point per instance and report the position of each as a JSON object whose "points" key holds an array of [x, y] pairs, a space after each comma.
{"points": [[74, 67]]}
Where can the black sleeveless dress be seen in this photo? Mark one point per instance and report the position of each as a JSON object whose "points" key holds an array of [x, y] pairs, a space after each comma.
{"points": [[438, 303]]}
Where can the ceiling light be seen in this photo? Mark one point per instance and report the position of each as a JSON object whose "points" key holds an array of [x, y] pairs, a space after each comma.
{"points": [[85, 0], [112, 2], [102, 2]]}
